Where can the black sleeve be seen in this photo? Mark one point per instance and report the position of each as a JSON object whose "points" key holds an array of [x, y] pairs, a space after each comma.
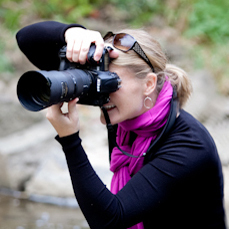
{"points": [[141, 196], [41, 42]]}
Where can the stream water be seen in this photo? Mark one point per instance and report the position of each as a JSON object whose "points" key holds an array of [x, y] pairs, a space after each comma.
{"points": [[23, 214]]}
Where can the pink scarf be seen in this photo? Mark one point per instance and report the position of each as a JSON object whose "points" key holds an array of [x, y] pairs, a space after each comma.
{"points": [[147, 127]]}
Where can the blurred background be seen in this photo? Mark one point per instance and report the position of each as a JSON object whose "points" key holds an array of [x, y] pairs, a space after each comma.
{"points": [[35, 189]]}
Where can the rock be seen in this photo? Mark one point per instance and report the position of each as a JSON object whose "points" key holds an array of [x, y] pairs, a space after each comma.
{"points": [[14, 118], [51, 181], [21, 153], [51, 177]]}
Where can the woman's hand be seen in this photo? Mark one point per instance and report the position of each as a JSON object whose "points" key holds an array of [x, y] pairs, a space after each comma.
{"points": [[64, 124], [79, 41]]}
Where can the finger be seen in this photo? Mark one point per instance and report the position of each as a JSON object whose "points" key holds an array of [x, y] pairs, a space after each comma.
{"points": [[72, 107], [76, 50], [61, 104], [72, 36], [69, 51], [85, 46], [92, 37], [99, 47], [56, 108], [73, 115], [53, 111], [114, 54]]}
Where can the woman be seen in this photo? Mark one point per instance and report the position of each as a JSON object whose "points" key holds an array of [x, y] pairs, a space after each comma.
{"points": [[167, 173]]}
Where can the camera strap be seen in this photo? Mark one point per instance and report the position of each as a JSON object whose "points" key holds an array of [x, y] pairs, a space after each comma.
{"points": [[169, 124], [112, 135]]}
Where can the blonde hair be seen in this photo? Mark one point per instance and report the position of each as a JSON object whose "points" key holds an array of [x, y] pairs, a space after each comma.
{"points": [[177, 76]]}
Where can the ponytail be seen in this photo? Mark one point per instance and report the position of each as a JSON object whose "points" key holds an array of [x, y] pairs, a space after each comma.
{"points": [[180, 81]]}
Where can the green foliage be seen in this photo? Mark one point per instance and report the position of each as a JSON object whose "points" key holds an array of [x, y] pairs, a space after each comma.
{"points": [[138, 12], [67, 11], [209, 21], [208, 25], [215, 59], [5, 65], [10, 13]]}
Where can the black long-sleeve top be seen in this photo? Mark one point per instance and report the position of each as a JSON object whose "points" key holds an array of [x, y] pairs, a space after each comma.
{"points": [[42, 41], [180, 187]]}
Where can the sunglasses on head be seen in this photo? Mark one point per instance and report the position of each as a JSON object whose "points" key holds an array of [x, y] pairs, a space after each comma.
{"points": [[125, 43]]}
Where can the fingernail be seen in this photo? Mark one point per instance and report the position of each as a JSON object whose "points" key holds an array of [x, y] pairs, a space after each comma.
{"points": [[96, 58]]}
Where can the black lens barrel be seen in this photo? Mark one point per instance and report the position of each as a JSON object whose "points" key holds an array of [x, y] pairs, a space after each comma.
{"points": [[37, 90]]}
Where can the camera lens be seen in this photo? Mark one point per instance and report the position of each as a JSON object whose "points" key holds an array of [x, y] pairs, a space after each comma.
{"points": [[34, 90], [41, 94], [37, 90]]}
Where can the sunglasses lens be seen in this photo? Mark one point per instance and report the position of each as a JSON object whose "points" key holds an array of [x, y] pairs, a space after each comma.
{"points": [[123, 41]]}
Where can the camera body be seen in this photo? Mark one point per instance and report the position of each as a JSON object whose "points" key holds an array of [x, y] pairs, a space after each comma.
{"points": [[91, 83], [91, 64]]}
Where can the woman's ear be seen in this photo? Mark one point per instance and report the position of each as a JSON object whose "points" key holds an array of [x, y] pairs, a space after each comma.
{"points": [[150, 83]]}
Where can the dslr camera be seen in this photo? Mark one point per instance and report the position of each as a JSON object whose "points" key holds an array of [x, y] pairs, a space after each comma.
{"points": [[91, 83]]}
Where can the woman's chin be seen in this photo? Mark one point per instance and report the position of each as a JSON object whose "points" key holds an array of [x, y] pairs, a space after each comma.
{"points": [[103, 120]]}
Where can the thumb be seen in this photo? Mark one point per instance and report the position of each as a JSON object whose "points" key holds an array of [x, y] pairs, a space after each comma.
{"points": [[72, 107]]}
